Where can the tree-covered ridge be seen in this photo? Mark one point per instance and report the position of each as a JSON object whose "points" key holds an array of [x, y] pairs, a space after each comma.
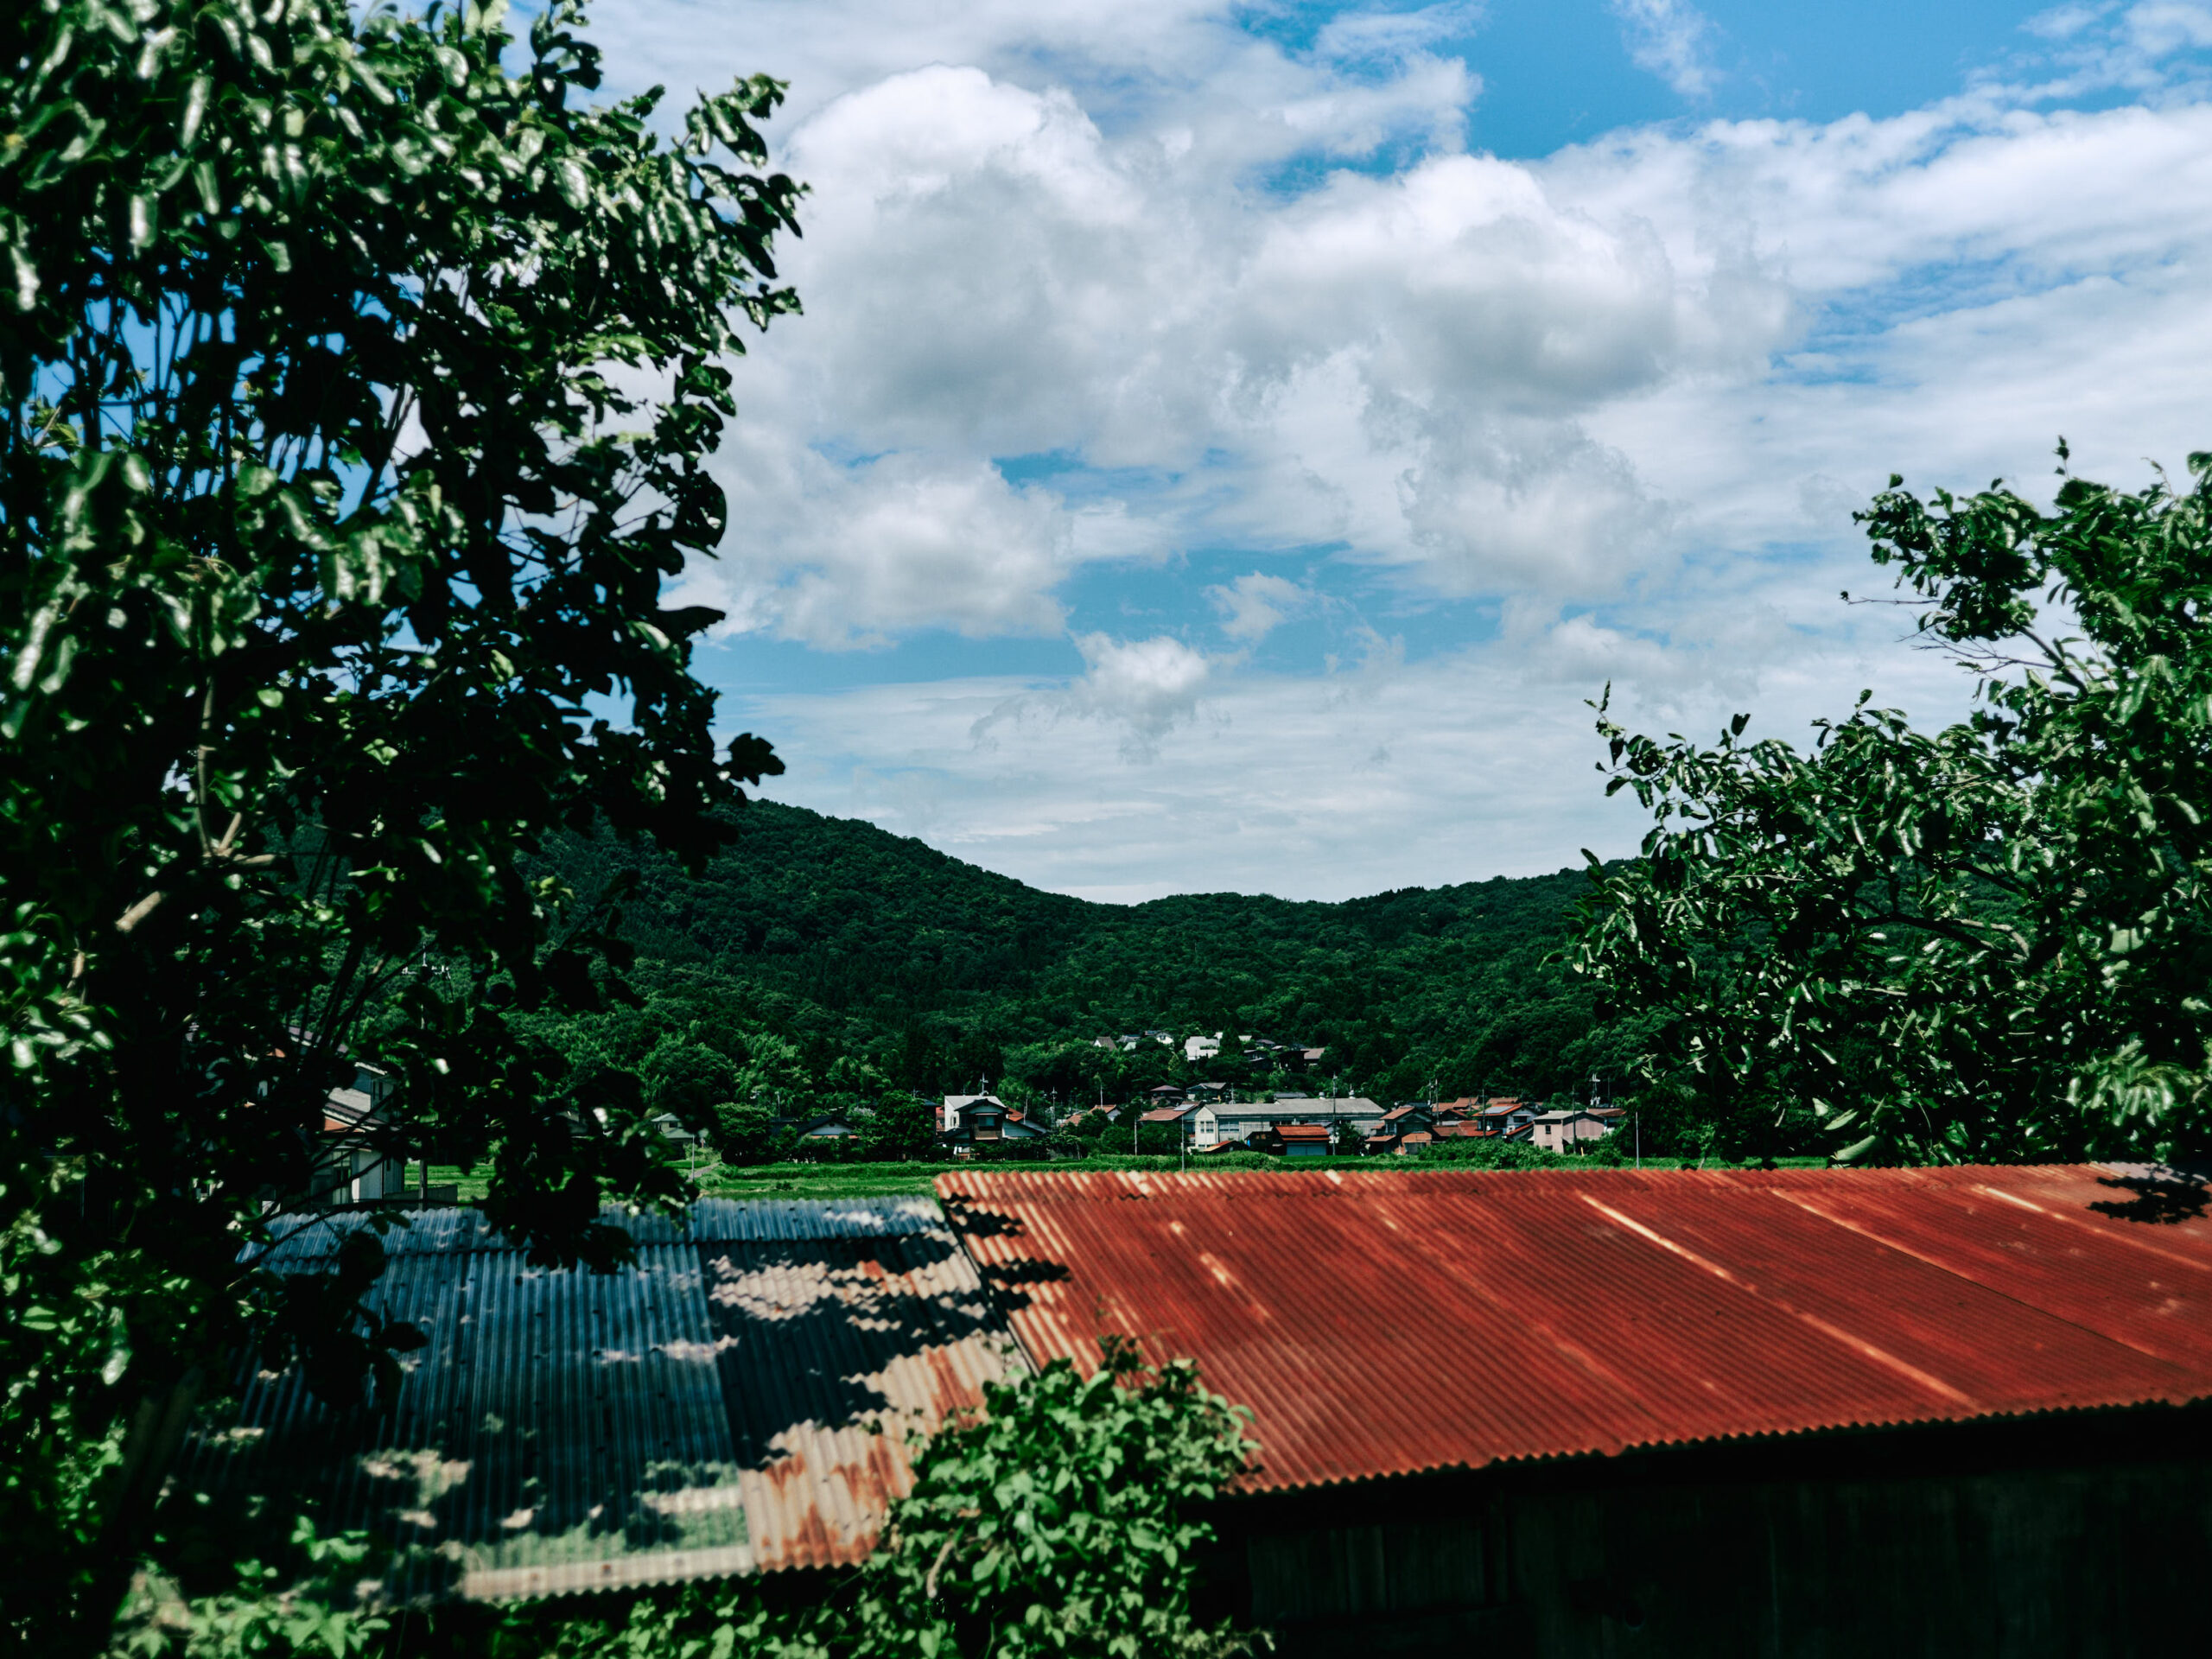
{"points": [[851, 946]]}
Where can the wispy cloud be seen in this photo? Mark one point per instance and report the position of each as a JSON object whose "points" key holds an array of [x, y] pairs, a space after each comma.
{"points": [[1141, 689], [1672, 40], [1254, 605]]}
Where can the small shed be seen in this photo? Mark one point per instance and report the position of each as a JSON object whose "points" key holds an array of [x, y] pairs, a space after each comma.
{"points": [[1296, 1139]]}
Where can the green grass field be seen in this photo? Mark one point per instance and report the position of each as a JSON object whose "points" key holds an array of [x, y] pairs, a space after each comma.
{"points": [[889, 1180]]}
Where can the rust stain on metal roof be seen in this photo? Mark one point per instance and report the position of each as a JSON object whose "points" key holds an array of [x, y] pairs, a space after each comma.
{"points": [[1590, 1311]]}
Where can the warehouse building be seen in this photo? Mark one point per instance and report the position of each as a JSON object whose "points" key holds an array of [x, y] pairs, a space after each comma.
{"points": [[1606, 1412], [1556, 1412]]}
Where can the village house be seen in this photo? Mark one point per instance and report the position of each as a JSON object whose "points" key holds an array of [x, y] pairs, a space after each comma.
{"points": [[1129, 1041], [1267, 1055], [1560, 1131], [1504, 1116], [672, 1129], [353, 1164], [1294, 1141], [1413, 1126], [984, 1120], [950, 1107], [1195, 1120], [1465, 1129], [1240, 1119]]}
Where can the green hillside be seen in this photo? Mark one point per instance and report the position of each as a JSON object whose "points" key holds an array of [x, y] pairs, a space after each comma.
{"points": [[826, 957]]}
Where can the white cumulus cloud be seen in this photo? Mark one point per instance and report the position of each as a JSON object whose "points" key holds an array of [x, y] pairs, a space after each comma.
{"points": [[1098, 287]]}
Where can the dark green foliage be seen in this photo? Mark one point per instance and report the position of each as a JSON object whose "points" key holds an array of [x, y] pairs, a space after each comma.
{"points": [[1152, 1140], [938, 976], [902, 1127], [744, 1133], [302, 1600], [688, 1078], [1502, 1154], [1987, 942], [1061, 1525], [355, 393]]}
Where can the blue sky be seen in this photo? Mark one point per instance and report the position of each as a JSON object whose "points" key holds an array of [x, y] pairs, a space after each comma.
{"points": [[1226, 445]]}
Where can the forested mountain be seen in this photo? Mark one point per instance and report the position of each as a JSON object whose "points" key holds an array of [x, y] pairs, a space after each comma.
{"points": [[820, 956]]}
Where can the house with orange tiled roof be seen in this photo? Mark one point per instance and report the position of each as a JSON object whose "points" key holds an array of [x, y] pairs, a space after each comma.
{"points": [[1413, 1126], [1294, 1141]]}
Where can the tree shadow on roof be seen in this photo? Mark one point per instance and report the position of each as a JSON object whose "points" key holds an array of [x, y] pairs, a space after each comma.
{"points": [[819, 1333], [2159, 1200]]}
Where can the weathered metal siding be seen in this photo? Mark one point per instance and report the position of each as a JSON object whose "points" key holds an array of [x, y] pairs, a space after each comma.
{"points": [[1456, 1319], [707, 1412]]}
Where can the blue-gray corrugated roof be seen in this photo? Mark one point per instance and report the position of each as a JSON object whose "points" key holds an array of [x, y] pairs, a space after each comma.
{"points": [[741, 1398], [302, 1239]]}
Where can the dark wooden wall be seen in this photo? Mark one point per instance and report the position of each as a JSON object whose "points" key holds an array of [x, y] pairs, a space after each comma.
{"points": [[2086, 1535]]}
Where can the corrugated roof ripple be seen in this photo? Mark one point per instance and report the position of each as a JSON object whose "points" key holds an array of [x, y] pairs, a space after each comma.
{"points": [[1387, 1322], [711, 1410]]}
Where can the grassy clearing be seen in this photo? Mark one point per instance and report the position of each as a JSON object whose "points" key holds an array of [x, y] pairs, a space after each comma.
{"points": [[819, 1180]]}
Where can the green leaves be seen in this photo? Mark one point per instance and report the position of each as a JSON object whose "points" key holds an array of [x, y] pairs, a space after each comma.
{"points": [[1963, 944], [1060, 1522], [326, 539]]}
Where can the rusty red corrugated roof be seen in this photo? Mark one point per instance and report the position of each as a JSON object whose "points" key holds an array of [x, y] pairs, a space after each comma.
{"points": [[1593, 1311]]}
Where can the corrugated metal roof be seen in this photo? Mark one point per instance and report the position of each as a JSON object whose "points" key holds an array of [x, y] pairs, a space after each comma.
{"points": [[1592, 1311], [1293, 1110], [743, 1398]]}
